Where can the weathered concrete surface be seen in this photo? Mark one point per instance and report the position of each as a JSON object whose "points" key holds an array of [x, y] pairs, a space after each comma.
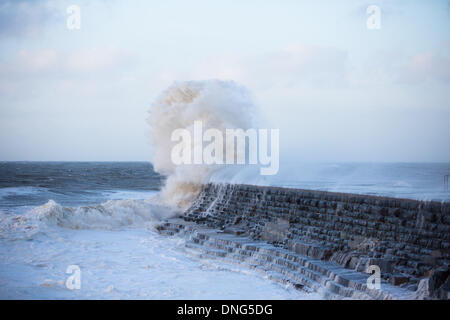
{"points": [[409, 240], [326, 278]]}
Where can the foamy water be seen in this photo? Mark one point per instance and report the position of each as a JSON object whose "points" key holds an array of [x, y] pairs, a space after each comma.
{"points": [[217, 104], [120, 256], [106, 228]]}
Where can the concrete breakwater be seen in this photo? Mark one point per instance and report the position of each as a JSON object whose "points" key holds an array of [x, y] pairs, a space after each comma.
{"points": [[324, 241]]}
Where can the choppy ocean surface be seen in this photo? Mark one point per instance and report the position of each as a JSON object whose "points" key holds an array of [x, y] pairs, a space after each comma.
{"points": [[421, 181], [100, 216]]}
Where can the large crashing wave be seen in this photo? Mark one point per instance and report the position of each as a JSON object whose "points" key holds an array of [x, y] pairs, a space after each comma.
{"points": [[109, 215], [218, 104]]}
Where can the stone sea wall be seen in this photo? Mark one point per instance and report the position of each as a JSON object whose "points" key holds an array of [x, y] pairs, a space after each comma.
{"points": [[408, 240]]}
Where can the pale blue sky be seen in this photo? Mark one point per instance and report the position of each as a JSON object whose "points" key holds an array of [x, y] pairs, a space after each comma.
{"points": [[336, 90]]}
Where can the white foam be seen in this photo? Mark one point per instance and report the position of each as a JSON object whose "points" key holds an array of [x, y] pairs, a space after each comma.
{"points": [[218, 104], [130, 263], [109, 215], [20, 191], [402, 184], [129, 194]]}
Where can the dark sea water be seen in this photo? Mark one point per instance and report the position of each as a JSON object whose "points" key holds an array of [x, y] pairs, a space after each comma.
{"points": [[28, 184], [24, 185]]}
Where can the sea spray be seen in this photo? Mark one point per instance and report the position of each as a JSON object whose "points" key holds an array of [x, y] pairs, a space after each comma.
{"points": [[110, 215], [218, 104]]}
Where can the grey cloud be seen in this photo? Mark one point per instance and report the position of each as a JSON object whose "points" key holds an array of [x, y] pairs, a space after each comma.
{"points": [[24, 18]]}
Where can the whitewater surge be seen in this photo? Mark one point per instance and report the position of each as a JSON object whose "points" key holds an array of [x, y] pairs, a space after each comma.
{"points": [[107, 216], [218, 104], [119, 254]]}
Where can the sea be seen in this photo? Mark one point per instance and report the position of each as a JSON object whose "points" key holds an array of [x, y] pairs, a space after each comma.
{"points": [[86, 230]]}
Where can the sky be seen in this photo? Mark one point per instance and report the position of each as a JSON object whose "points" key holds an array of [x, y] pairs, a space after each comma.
{"points": [[337, 90]]}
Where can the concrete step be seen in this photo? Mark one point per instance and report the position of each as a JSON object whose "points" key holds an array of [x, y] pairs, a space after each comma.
{"points": [[305, 273], [297, 275]]}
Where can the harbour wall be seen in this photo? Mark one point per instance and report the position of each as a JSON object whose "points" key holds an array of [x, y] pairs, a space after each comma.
{"points": [[408, 240]]}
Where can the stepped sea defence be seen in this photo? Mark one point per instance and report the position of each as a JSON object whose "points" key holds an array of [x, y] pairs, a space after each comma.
{"points": [[327, 242]]}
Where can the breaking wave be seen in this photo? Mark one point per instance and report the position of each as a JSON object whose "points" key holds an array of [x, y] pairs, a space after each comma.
{"points": [[109, 215], [218, 104]]}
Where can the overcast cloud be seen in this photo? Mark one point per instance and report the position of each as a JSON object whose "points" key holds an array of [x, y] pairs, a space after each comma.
{"points": [[336, 90]]}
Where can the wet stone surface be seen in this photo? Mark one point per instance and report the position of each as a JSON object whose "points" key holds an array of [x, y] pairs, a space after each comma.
{"points": [[409, 240]]}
